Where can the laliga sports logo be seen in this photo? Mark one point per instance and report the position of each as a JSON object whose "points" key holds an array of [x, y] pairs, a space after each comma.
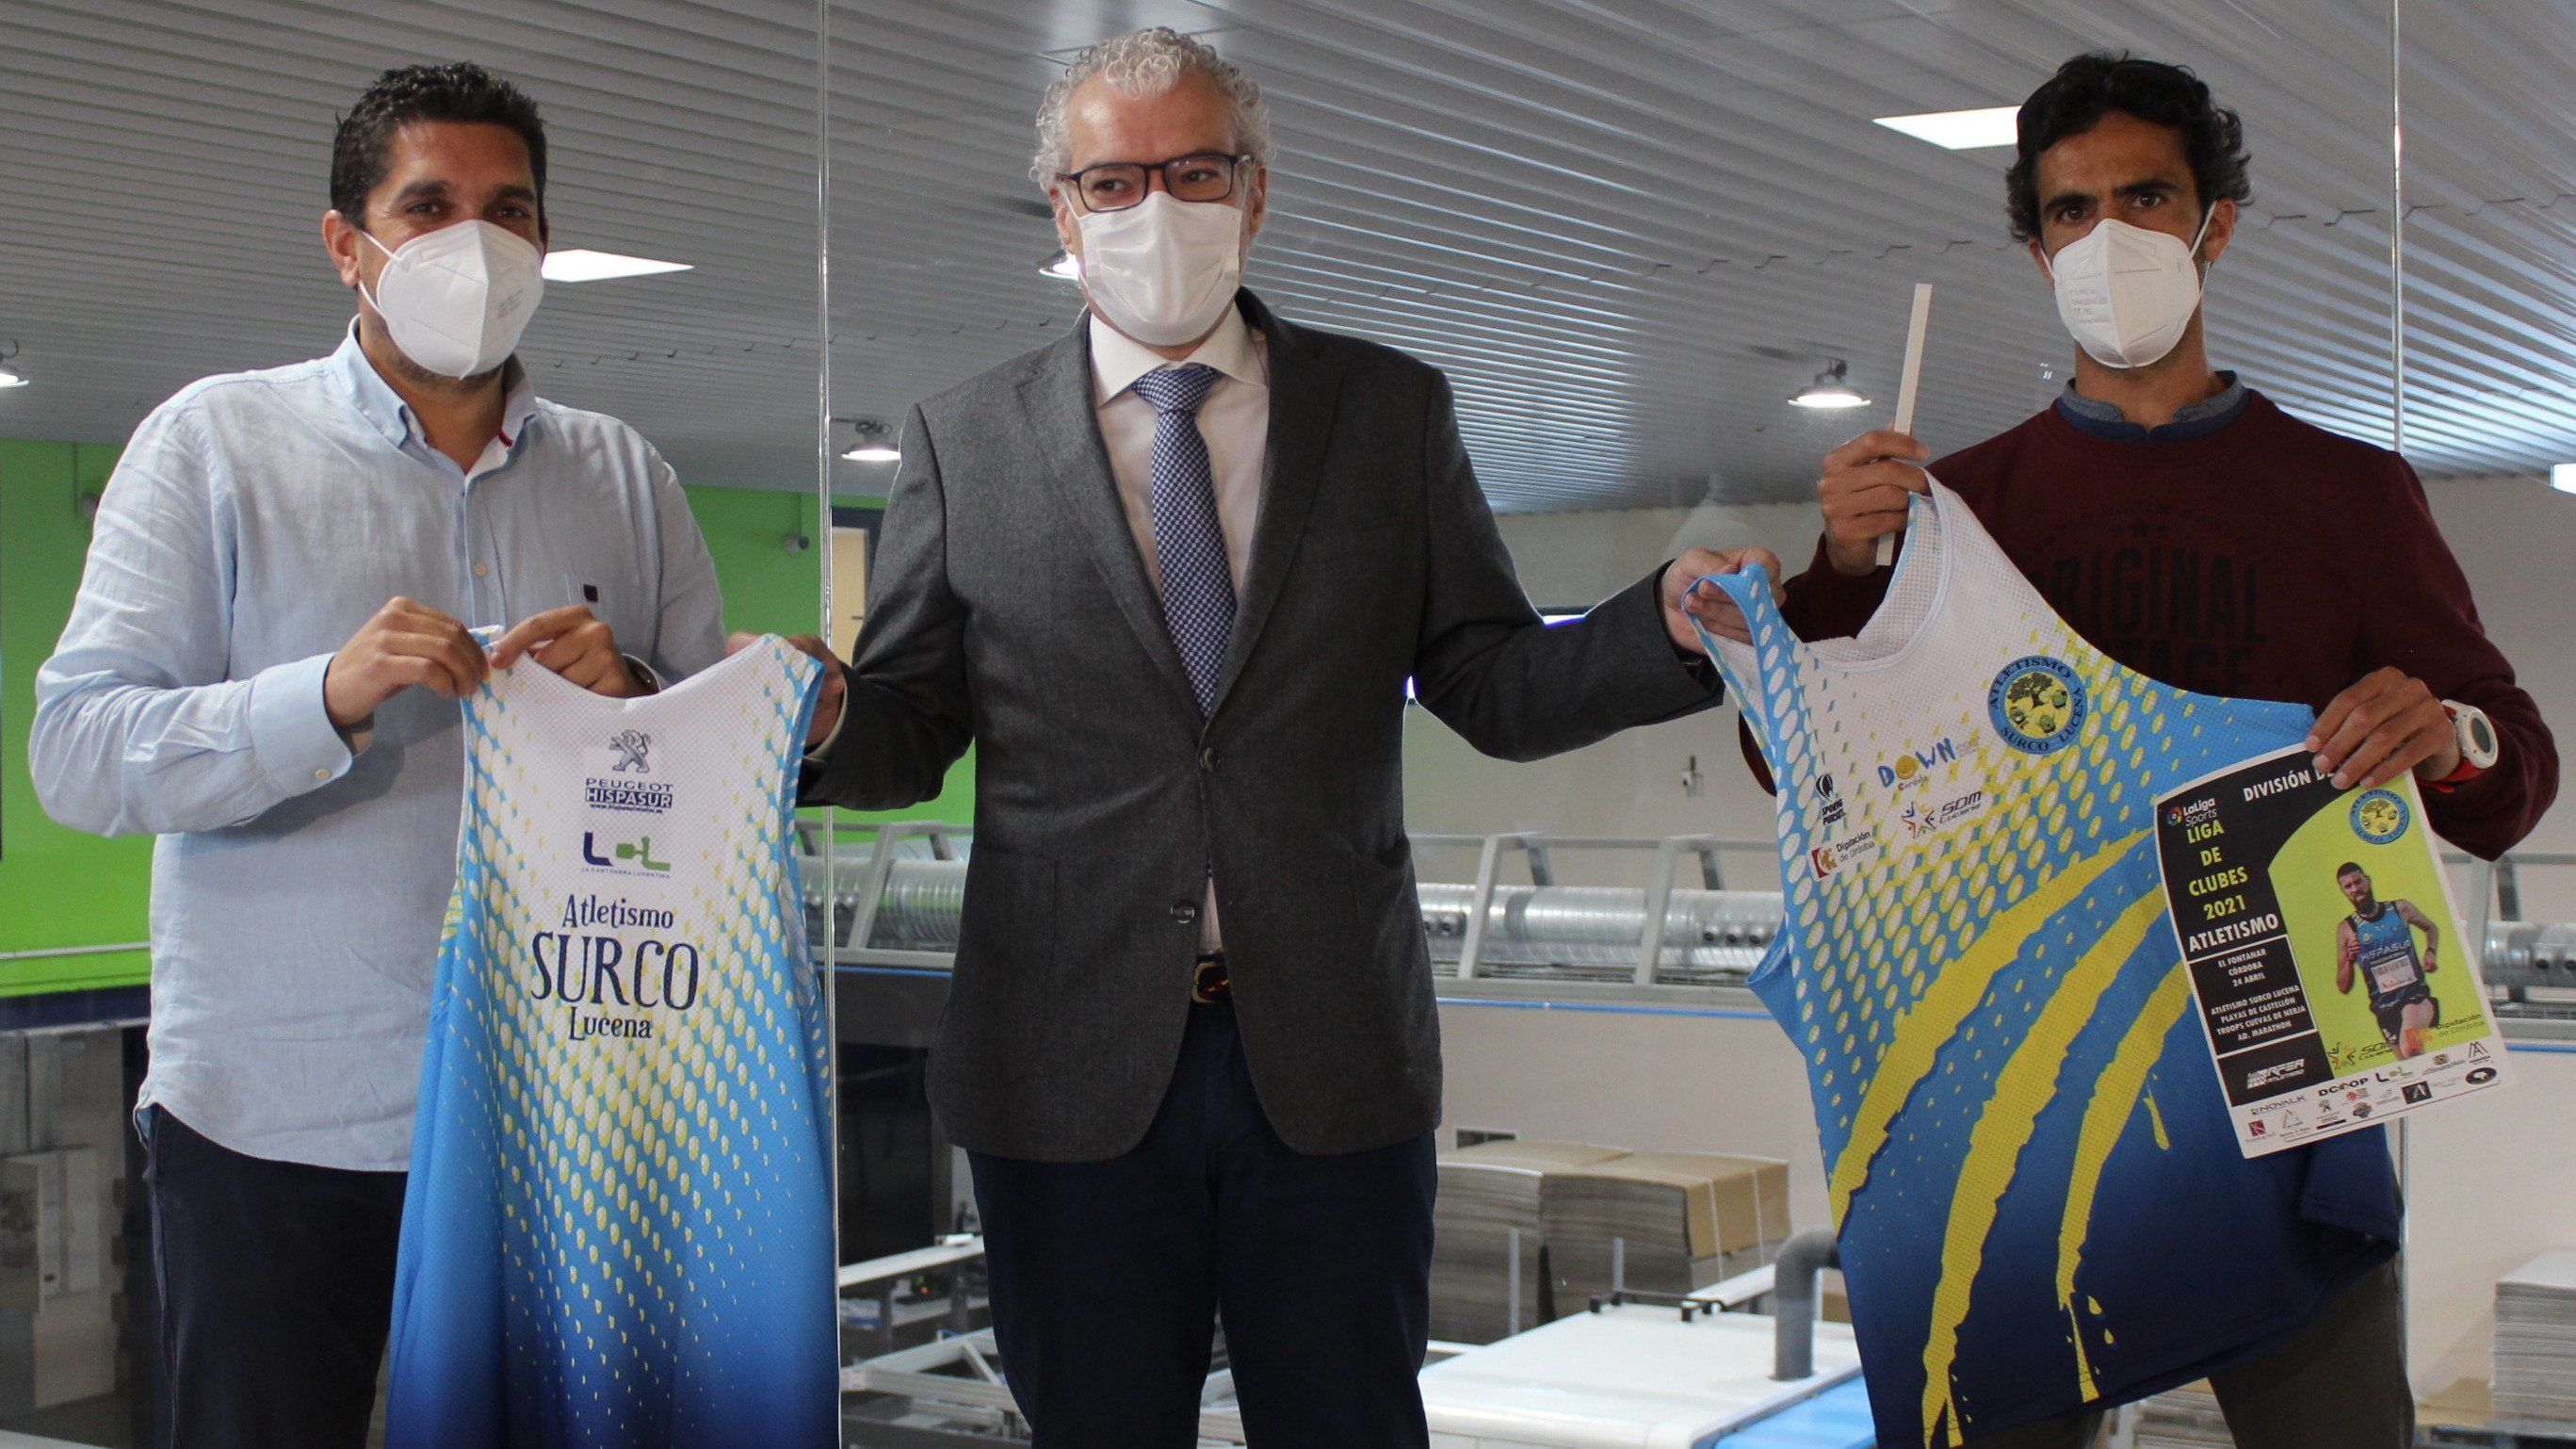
{"points": [[2192, 812], [2037, 704], [631, 747]]}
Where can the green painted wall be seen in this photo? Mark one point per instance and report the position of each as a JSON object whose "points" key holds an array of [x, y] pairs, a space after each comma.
{"points": [[60, 888], [770, 589]]}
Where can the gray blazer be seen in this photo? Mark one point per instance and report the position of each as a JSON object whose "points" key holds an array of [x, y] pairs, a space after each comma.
{"points": [[1010, 608]]}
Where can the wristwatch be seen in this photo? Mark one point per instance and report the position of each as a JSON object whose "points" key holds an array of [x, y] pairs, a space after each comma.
{"points": [[2476, 735]]}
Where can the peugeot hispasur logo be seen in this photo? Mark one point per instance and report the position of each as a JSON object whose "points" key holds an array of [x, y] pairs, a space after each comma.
{"points": [[628, 755], [631, 747]]}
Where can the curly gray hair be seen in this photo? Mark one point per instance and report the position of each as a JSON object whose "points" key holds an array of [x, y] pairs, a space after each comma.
{"points": [[1144, 63]]}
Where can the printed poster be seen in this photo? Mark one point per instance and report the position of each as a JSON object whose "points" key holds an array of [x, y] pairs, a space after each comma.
{"points": [[2326, 956]]}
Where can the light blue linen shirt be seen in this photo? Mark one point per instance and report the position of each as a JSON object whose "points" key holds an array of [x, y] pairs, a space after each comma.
{"points": [[254, 523]]}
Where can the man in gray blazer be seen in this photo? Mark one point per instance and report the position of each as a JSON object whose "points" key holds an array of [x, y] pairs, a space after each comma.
{"points": [[1172, 573]]}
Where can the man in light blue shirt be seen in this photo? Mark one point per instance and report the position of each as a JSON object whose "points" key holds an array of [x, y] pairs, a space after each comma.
{"points": [[262, 670]]}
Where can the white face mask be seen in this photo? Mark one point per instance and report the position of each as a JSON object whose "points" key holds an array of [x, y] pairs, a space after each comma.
{"points": [[2128, 293], [1163, 271], [456, 299]]}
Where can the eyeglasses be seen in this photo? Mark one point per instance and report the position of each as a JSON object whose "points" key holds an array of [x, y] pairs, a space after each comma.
{"points": [[1118, 185]]}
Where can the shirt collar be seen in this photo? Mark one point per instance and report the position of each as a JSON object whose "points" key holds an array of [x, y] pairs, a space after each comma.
{"points": [[1117, 360], [380, 405], [2104, 420]]}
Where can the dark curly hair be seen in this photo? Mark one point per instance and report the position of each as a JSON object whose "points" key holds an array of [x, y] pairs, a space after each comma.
{"points": [[2089, 87], [458, 91]]}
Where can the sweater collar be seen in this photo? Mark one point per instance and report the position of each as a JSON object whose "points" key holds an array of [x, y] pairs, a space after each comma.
{"points": [[2104, 420]]}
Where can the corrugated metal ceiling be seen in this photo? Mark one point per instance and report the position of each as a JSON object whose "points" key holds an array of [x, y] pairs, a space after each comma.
{"points": [[1627, 227]]}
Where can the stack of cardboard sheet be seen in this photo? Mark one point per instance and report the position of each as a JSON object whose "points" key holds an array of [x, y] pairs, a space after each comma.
{"points": [[2535, 1345], [2183, 1418], [1661, 1222], [1489, 1193]]}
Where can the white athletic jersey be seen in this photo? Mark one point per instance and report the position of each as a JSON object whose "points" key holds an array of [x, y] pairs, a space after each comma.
{"points": [[618, 1229], [2036, 1183]]}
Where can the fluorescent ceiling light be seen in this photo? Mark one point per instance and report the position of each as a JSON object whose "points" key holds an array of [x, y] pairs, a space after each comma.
{"points": [[1829, 390], [9, 379], [1062, 267], [875, 444], [1960, 130], [2562, 477], [580, 264]]}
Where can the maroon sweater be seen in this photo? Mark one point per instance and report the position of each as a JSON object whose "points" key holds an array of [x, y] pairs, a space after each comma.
{"points": [[2268, 560]]}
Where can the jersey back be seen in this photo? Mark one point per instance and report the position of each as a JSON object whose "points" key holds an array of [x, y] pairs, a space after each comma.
{"points": [[2029, 1164], [618, 1225]]}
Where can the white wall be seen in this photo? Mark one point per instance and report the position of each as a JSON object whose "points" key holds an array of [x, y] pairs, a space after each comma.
{"points": [[2515, 539], [1630, 784], [2491, 1182]]}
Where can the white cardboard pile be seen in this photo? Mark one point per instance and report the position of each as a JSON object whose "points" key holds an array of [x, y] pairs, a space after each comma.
{"points": [[1488, 1193], [2183, 1418], [2535, 1343], [1662, 1223]]}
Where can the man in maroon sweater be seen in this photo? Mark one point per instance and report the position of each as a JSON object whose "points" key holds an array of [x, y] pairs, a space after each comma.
{"points": [[2194, 532]]}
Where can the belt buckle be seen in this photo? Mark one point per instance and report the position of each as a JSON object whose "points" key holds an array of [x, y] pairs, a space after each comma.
{"points": [[1211, 984]]}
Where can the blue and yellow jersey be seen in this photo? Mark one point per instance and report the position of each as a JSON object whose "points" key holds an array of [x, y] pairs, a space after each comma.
{"points": [[618, 1226], [2038, 1191], [2387, 958]]}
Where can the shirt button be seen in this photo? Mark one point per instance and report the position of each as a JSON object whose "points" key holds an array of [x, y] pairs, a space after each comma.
{"points": [[481, 569], [1184, 912], [322, 774]]}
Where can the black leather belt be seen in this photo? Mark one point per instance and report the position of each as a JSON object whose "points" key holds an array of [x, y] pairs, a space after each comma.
{"points": [[1212, 983]]}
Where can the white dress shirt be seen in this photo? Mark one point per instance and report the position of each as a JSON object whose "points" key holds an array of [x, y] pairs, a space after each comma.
{"points": [[1235, 421], [301, 879]]}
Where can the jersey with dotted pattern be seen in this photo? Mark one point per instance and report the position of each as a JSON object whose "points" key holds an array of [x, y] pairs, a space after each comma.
{"points": [[2039, 1196], [618, 1224]]}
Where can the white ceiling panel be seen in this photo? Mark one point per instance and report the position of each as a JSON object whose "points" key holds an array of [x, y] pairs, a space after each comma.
{"points": [[1628, 228]]}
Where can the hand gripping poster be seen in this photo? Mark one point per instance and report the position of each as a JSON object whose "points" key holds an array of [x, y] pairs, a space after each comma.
{"points": [[2329, 963]]}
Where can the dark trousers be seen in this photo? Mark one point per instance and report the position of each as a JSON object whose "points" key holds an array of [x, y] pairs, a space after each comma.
{"points": [[277, 1288], [1109, 1277], [2339, 1383]]}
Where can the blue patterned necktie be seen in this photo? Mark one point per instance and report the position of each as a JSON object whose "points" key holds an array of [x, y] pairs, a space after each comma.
{"points": [[1198, 584]]}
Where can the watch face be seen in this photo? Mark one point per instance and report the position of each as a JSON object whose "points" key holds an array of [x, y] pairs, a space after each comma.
{"points": [[2481, 734]]}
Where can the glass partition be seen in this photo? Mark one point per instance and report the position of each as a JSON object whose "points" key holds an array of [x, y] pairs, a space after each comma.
{"points": [[909, 210], [2485, 268]]}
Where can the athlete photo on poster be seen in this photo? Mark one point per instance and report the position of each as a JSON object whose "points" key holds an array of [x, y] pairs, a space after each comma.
{"points": [[2326, 957]]}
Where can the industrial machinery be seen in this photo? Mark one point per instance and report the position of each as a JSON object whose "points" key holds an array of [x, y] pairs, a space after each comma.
{"points": [[896, 893]]}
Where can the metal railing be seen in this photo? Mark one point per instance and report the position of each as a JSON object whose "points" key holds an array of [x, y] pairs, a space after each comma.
{"points": [[1487, 934]]}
